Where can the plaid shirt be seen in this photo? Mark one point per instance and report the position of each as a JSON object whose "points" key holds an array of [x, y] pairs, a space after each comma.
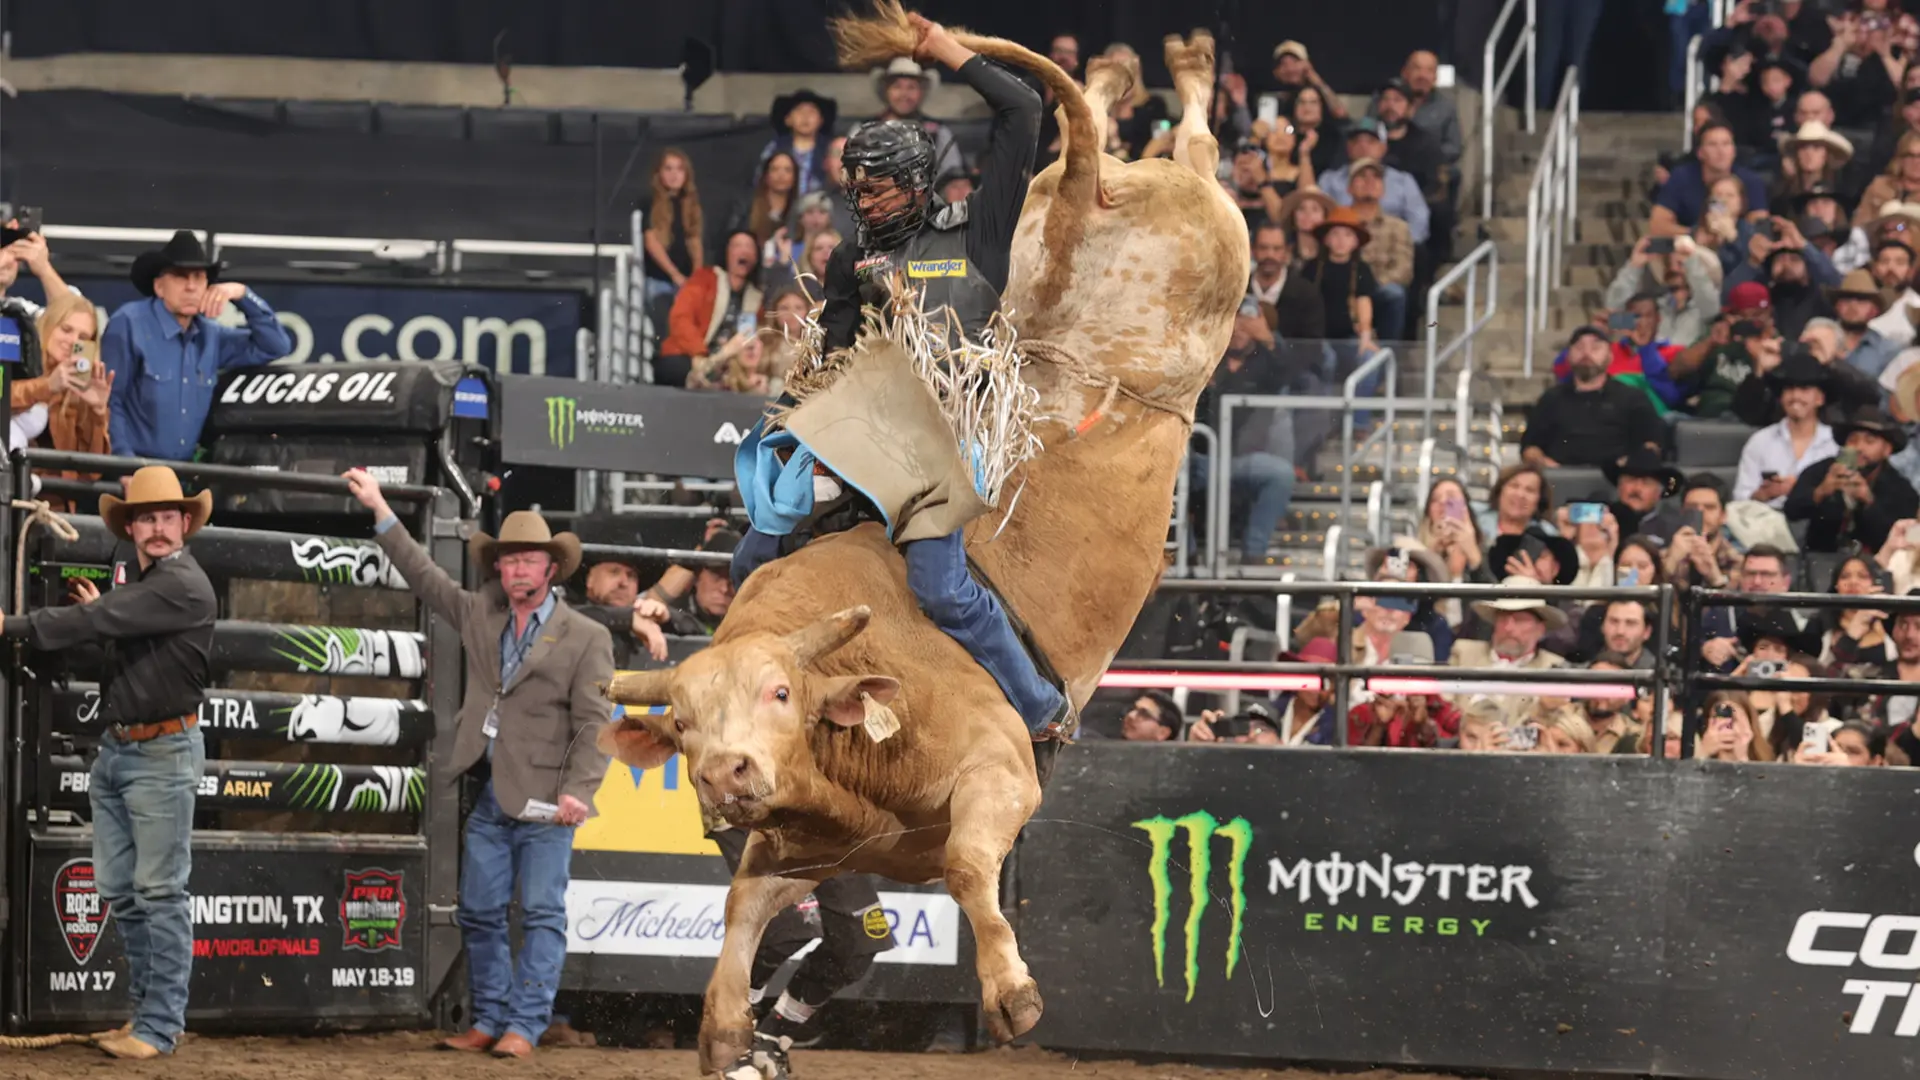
{"points": [[1390, 251]]}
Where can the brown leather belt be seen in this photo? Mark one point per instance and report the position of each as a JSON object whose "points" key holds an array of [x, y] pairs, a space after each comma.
{"points": [[144, 732]]}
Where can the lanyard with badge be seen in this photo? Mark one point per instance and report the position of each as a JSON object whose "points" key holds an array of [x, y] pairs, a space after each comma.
{"points": [[491, 727]]}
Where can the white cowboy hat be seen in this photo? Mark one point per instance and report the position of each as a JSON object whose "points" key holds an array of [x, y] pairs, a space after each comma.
{"points": [[1489, 610], [903, 67], [1813, 131]]}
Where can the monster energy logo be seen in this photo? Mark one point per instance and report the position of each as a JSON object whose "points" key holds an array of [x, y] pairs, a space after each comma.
{"points": [[562, 413], [1200, 827], [565, 418]]}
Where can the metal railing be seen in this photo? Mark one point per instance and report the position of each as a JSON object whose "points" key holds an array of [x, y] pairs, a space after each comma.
{"points": [[1481, 261], [1552, 203], [1422, 678], [1350, 454], [1493, 87]]}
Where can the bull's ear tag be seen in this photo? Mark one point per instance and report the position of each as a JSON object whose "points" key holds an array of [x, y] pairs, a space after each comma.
{"points": [[880, 721]]}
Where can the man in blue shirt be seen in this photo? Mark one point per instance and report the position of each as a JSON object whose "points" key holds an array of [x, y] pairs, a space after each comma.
{"points": [[1683, 200], [1367, 139], [166, 352]]}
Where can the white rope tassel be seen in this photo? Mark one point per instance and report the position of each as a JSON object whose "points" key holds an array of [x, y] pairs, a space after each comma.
{"points": [[40, 512]]}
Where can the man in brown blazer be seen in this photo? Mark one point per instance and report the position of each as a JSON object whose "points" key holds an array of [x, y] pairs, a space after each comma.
{"points": [[528, 726]]}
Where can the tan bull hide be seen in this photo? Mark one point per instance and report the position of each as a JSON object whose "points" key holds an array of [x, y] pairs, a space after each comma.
{"points": [[1125, 280]]}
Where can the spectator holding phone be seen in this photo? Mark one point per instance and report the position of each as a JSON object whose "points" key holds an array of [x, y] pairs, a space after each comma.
{"points": [[1448, 529], [1682, 200], [1702, 552], [76, 388], [1590, 418], [1595, 533], [1412, 720], [1860, 70], [1858, 301], [1794, 272], [1854, 641], [716, 303], [1761, 399], [1641, 482], [1154, 717], [1521, 499], [1855, 497], [1718, 363], [1679, 277], [1254, 726], [1900, 556], [1729, 734], [1725, 228]]}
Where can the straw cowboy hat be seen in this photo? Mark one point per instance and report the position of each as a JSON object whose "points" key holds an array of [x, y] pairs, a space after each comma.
{"points": [[903, 67], [1299, 195], [183, 252], [1906, 395], [1859, 284], [524, 530], [1347, 217], [1489, 610], [154, 488], [1894, 212], [1813, 131]]}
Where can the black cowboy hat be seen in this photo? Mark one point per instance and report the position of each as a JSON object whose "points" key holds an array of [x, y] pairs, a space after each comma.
{"points": [[1874, 421], [183, 252], [1562, 549], [1822, 191], [1756, 623], [612, 530], [1799, 367], [1645, 461], [785, 103]]}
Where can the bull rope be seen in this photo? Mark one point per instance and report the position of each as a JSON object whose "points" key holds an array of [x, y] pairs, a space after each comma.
{"points": [[42, 1042], [39, 512], [1080, 371]]}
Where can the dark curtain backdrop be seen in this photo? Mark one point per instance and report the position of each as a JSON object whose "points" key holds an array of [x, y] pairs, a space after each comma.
{"points": [[1355, 43]]}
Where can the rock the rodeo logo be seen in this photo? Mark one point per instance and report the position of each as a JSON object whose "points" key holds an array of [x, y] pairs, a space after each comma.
{"points": [[373, 909], [1320, 887], [82, 911]]}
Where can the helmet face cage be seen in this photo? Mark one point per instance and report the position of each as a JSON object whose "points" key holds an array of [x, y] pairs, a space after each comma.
{"points": [[895, 150]]}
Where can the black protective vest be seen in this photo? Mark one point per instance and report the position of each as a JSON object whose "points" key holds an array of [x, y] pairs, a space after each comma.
{"points": [[934, 261]]}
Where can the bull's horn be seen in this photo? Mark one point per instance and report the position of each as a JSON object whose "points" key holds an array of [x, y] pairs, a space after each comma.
{"points": [[639, 687], [815, 641]]}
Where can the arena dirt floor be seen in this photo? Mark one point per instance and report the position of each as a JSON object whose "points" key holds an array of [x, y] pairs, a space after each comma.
{"points": [[412, 1056]]}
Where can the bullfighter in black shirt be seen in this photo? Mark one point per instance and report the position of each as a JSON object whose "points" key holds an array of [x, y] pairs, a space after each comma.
{"points": [[158, 633]]}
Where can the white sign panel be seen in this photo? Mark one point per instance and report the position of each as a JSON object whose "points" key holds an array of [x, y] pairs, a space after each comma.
{"points": [[659, 918]]}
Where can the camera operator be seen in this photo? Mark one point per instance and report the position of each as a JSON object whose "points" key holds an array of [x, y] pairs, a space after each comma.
{"points": [[22, 245]]}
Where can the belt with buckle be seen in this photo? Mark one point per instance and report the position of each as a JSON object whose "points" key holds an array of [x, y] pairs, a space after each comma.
{"points": [[144, 732]]}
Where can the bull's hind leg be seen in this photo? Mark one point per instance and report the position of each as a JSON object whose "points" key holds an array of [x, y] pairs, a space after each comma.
{"points": [[759, 892], [989, 810], [1191, 63], [1108, 80]]}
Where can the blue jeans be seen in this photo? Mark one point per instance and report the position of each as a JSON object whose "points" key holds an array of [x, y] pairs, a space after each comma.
{"points": [[1389, 311], [142, 799], [958, 605], [1681, 30], [1270, 476], [501, 849], [1565, 30]]}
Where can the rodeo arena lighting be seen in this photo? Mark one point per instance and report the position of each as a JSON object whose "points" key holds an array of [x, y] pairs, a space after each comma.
{"points": [[791, 625]]}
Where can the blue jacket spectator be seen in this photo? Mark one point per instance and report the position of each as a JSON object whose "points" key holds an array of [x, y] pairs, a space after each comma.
{"points": [[166, 352]]}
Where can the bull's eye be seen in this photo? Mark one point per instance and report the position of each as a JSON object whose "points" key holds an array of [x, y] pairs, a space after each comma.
{"points": [[679, 727], [780, 694]]}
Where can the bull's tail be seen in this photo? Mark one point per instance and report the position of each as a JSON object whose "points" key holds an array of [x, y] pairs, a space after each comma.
{"points": [[872, 40]]}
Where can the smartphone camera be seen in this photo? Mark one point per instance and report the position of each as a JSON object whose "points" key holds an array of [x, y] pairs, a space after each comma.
{"points": [[1660, 245], [1586, 513], [1766, 669], [1523, 737]]}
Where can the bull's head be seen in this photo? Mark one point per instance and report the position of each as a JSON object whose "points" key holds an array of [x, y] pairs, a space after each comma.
{"points": [[741, 710]]}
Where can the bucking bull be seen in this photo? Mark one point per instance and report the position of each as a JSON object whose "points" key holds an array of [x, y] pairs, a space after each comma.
{"points": [[1125, 279]]}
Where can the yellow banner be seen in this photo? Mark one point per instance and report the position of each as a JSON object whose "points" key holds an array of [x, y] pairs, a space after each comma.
{"points": [[652, 811]]}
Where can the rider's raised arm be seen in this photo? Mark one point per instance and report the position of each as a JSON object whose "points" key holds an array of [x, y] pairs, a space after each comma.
{"points": [[994, 209]]}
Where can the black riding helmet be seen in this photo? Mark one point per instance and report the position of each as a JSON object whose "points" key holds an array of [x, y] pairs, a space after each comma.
{"points": [[896, 150]]}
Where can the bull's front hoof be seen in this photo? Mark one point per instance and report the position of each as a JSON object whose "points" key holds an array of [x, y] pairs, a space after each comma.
{"points": [[720, 1048], [1015, 1013]]}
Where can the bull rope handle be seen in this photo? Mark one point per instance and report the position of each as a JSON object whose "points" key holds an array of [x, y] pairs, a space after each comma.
{"points": [[42, 1042], [39, 512]]}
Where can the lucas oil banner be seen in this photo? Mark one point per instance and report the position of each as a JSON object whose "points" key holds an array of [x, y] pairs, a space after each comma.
{"points": [[533, 329]]}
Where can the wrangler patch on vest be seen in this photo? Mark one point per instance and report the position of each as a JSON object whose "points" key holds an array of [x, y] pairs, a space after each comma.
{"points": [[936, 268]]}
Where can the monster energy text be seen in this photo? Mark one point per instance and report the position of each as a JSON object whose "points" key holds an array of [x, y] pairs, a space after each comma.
{"points": [[565, 417]]}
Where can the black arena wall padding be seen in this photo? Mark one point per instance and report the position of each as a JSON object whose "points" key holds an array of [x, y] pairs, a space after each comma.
{"points": [[1578, 914]]}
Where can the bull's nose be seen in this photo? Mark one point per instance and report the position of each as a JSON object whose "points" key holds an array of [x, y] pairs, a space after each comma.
{"points": [[731, 776]]}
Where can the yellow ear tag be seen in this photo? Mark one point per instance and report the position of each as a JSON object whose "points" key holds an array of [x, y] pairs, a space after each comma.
{"points": [[880, 721]]}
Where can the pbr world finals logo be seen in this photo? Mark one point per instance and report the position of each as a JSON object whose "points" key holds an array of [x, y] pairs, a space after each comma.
{"points": [[373, 909]]}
